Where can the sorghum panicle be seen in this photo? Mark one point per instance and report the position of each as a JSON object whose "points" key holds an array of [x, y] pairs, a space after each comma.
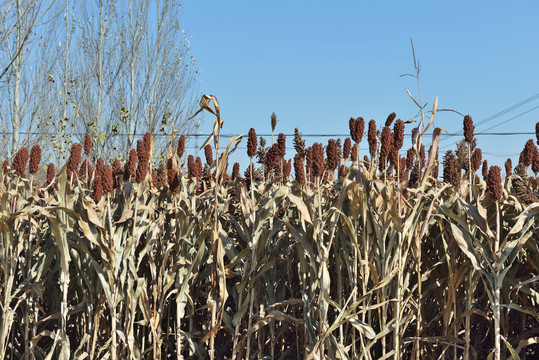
{"points": [[191, 166], [386, 146], [353, 154], [346, 148], [332, 155], [252, 143], [299, 143], [343, 171], [74, 159], [281, 144], [50, 173], [181, 146], [287, 167], [208, 153], [410, 158], [477, 157], [87, 144], [131, 165], [508, 167], [35, 159], [390, 119], [198, 162], [468, 128], [494, 182], [299, 169], [398, 133], [97, 188], [235, 170], [527, 153], [106, 179], [318, 160], [371, 138]]}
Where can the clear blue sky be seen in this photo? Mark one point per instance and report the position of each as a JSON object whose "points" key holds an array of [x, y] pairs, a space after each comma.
{"points": [[316, 64]]}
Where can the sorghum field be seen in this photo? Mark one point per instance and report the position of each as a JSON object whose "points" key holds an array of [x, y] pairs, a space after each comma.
{"points": [[350, 256]]}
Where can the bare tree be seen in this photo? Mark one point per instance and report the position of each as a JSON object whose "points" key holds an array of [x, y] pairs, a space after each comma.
{"points": [[160, 72], [112, 68], [26, 61]]}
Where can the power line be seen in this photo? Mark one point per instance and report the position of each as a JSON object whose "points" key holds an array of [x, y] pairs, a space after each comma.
{"points": [[302, 135], [497, 115], [503, 112]]}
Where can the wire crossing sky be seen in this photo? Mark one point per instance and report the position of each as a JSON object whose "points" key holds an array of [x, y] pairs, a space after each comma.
{"points": [[316, 64]]}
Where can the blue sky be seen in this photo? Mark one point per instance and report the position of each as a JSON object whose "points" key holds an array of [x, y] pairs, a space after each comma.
{"points": [[316, 64]]}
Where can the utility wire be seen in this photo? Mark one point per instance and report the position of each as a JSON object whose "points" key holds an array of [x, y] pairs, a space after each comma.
{"points": [[292, 135]]}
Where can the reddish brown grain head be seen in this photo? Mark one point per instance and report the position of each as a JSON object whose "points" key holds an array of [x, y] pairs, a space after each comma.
{"points": [[272, 157], [97, 187], [353, 154], [343, 171], [535, 161], [468, 128], [537, 132], [235, 170], [208, 153], [87, 144], [6, 164], [273, 121], [386, 146], [116, 167], [332, 155], [287, 167], [398, 133], [371, 138], [299, 143], [410, 158], [74, 159], [131, 162], [107, 179], [191, 166], [494, 182], [143, 163], [390, 119], [318, 160], [508, 167], [346, 148], [50, 173], [173, 181], [526, 157], [19, 161], [117, 171], [357, 127], [35, 159], [360, 128], [449, 171], [299, 169], [181, 146], [100, 164], [147, 142], [252, 143], [477, 157], [198, 167], [162, 176], [281, 144]]}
